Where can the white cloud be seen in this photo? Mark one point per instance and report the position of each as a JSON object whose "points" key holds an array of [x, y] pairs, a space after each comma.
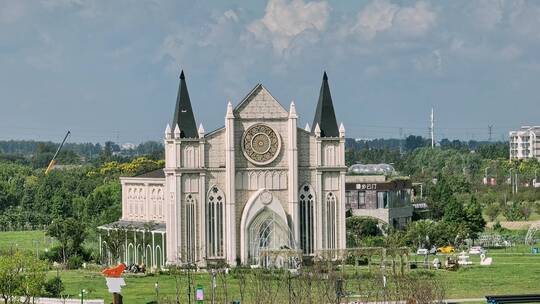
{"points": [[285, 21], [218, 34], [383, 16], [176, 46], [376, 17], [415, 20]]}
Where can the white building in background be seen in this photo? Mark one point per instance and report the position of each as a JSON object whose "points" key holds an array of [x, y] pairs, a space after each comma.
{"points": [[525, 143], [257, 183]]}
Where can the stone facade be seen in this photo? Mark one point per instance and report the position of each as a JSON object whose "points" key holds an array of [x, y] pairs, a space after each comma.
{"points": [[218, 203]]}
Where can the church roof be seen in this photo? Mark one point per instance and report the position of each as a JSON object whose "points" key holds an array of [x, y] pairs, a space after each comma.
{"points": [[259, 103], [183, 113], [325, 116], [158, 173]]}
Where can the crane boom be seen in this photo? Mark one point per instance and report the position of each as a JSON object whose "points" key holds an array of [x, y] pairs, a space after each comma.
{"points": [[53, 160]]}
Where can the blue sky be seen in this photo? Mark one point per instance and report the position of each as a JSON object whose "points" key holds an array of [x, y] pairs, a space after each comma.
{"points": [[108, 70]]}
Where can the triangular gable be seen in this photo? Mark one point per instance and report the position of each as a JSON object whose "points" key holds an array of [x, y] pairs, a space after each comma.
{"points": [[259, 103]]}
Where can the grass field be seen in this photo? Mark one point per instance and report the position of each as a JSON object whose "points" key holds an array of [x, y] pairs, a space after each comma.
{"points": [[25, 240], [514, 271]]}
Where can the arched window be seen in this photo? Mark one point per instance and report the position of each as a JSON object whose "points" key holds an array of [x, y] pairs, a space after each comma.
{"points": [[329, 155], [214, 225], [189, 159], [306, 204], [160, 204], [189, 228], [130, 202], [141, 203], [153, 199], [329, 217]]}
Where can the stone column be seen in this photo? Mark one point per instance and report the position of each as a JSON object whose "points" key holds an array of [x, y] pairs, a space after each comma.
{"points": [[341, 203], [318, 210], [202, 198], [292, 151], [170, 205], [230, 212], [153, 250], [202, 218]]}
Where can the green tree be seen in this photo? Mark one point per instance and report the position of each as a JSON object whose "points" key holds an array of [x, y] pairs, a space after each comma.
{"points": [[70, 233], [10, 279], [21, 275], [359, 228], [413, 142], [104, 204], [475, 221], [115, 238], [421, 233], [440, 198], [33, 278]]}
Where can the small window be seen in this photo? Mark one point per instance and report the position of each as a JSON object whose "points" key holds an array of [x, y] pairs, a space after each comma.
{"points": [[382, 199], [361, 200]]}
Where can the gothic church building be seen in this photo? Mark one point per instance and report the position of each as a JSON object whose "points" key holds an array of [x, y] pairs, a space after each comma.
{"points": [[258, 183]]}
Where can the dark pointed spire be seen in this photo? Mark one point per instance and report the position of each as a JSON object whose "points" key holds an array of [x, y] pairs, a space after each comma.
{"points": [[183, 113], [325, 116]]}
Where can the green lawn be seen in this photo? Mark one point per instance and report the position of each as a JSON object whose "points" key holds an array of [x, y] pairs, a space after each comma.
{"points": [[25, 240], [514, 270], [511, 272]]}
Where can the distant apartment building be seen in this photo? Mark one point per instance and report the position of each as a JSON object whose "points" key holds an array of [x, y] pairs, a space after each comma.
{"points": [[373, 191], [525, 143]]}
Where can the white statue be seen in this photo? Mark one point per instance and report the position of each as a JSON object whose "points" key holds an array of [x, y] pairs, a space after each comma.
{"points": [[485, 261]]}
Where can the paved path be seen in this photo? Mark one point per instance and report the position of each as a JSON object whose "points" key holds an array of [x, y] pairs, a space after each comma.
{"points": [[466, 300]]}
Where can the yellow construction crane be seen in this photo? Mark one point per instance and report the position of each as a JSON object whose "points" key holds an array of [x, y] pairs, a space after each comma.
{"points": [[53, 160]]}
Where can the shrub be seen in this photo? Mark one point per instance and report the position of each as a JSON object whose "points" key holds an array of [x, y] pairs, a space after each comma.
{"points": [[54, 254], [74, 262], [512, 211], [360, 228], [54, 287]]}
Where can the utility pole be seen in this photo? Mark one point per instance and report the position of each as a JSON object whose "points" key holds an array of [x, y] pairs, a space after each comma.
{"points": [[431, 129], [401, 140], [490, 131]]}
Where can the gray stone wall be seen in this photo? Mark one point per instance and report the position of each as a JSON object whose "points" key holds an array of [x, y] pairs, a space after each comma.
{"points": [[215, 150]]}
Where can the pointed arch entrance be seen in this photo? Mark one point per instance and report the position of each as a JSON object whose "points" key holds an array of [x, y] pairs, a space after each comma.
{"points": [[264, 226]]}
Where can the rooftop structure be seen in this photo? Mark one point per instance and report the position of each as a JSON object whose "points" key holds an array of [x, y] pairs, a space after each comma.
{"points": [[372, 169], [525, 143]]}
